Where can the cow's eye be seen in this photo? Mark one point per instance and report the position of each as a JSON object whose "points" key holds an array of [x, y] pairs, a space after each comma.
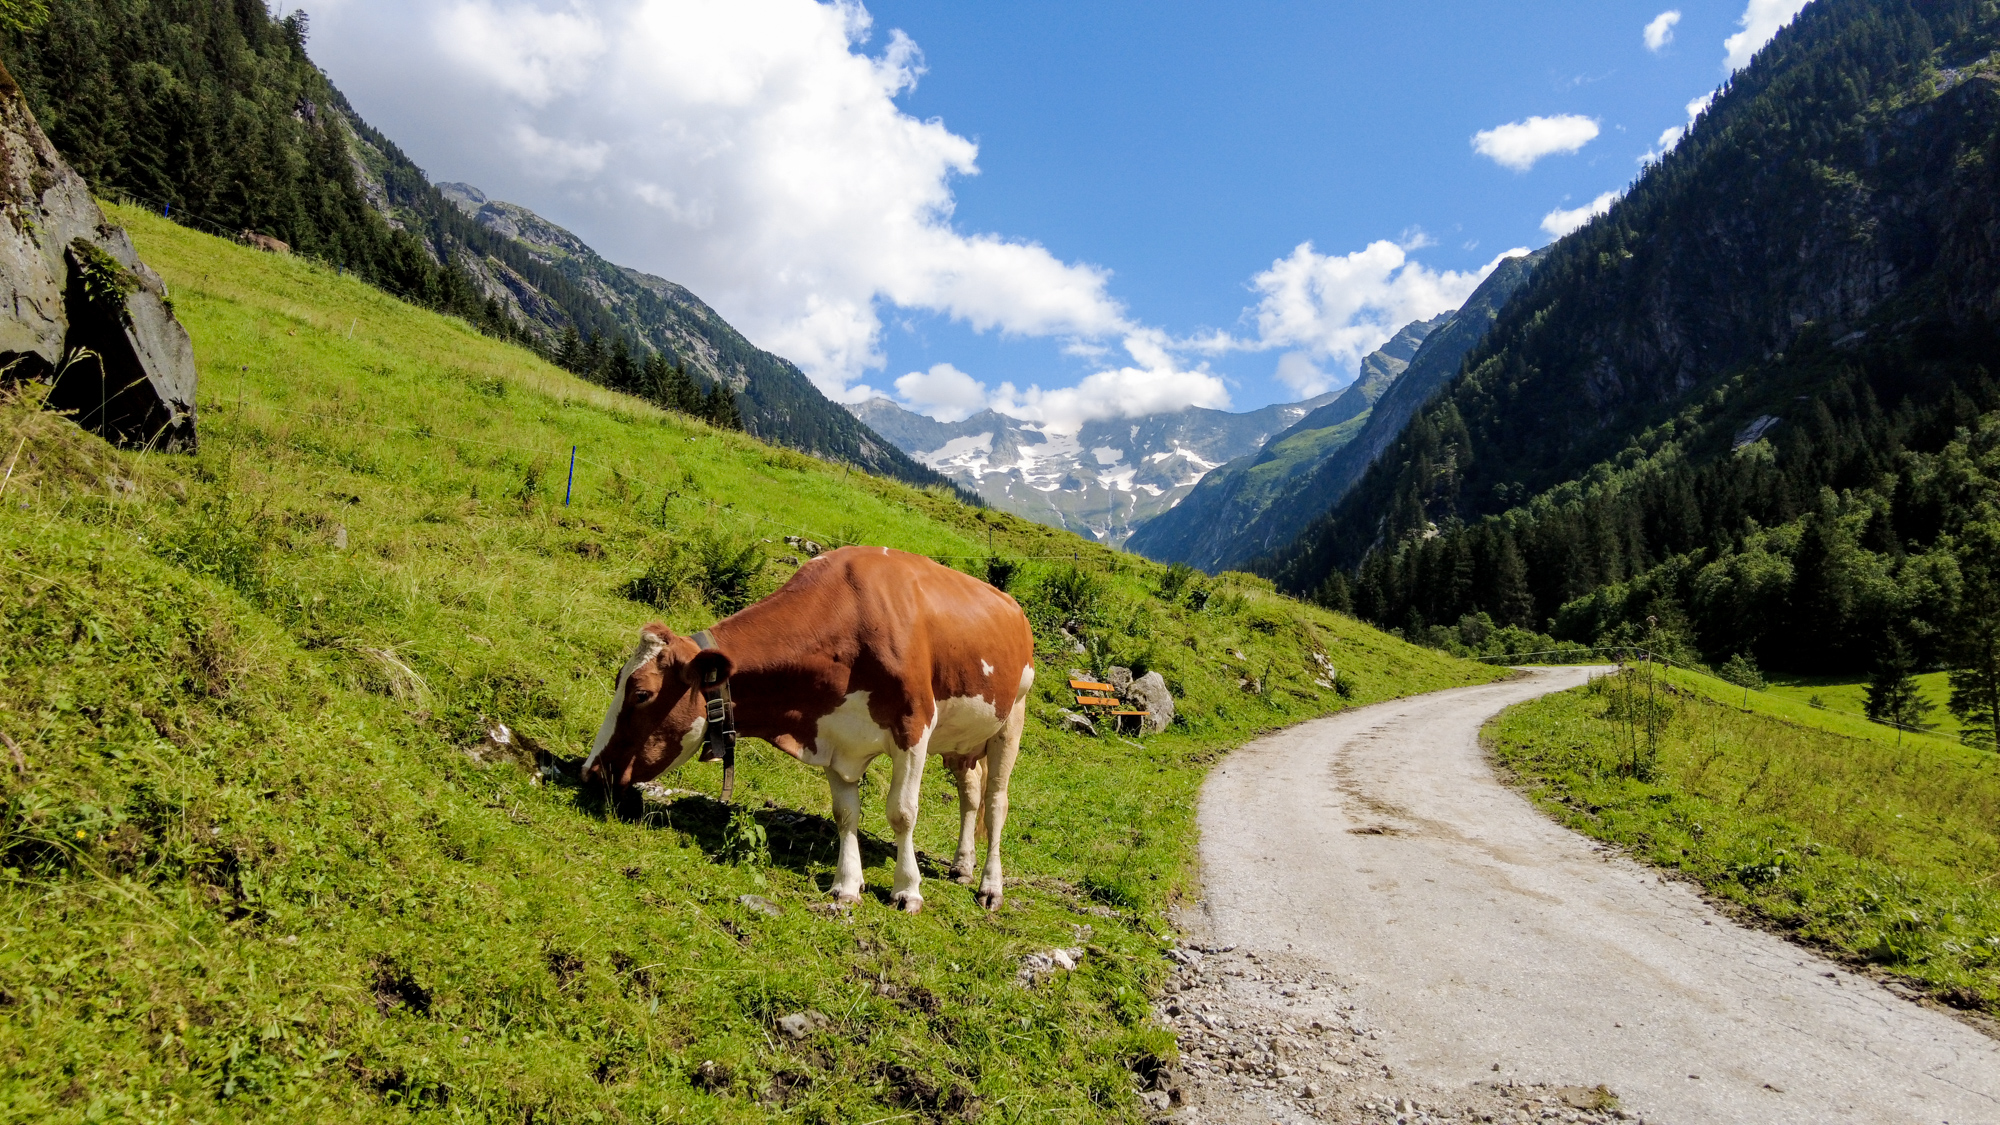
{"points": [[641, 695]]}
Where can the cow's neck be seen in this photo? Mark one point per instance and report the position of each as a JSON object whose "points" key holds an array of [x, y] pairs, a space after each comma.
{"points": [[760, 667]]}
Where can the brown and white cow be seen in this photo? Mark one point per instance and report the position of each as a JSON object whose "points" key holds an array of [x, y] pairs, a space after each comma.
{"points": [[866, 651]]}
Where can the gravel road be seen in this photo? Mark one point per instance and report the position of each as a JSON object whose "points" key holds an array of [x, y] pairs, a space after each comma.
{"points": [[1389, 933]]}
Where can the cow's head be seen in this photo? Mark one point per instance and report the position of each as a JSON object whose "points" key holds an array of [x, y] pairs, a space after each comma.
{"points": [[657, 716]]}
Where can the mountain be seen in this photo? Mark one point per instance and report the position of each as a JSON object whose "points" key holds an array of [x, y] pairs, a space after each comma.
{"points": [[1205, 528], [215, 114], [1747, 408], [1244, 510], [1104, 480]]}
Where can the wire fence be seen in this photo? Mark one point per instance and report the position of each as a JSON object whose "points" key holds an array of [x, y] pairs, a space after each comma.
{"points": [[1641, 653], [668, 495]]}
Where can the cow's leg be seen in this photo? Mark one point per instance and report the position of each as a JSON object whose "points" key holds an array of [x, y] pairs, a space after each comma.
{"points": [[971, 777], [1001, 751], [847, 822], [906, 779]]}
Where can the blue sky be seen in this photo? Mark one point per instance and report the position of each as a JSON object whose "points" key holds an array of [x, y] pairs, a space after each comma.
{"points": [[1068, 210]]}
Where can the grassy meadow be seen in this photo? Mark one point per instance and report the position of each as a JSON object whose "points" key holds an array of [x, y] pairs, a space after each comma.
{"points": [[1836, 694], [1876, 852], [250, 866]]}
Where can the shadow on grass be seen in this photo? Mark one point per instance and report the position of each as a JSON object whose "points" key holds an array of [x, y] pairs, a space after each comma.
{"points": [[798, 841]]}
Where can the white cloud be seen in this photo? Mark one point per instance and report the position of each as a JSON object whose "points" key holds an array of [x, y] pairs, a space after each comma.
{"points": [[1518, 144], [1154, 381], [754, 151], [1761, 20], [1660, 32], [944, 392], [1560, 222], [1336, 309], [1673, 134]]}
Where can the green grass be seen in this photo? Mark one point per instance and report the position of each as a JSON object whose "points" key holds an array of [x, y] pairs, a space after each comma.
{"points": [[1837, 694], [1872, 851], [250, 868], [1789, 704]]}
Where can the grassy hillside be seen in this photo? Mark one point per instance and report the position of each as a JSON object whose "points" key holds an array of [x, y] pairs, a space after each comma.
{"points": [[1819, 824], [249, 864], [1837, 693]]}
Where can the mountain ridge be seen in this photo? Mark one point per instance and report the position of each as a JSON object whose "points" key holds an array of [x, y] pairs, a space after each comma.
{"points": [[1105, 479]]}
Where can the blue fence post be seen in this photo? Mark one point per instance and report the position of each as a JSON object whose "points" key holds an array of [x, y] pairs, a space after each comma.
{"points": [[572, 476]]}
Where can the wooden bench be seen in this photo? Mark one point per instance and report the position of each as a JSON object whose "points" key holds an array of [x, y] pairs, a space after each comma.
{"points": [[1101, 697]]}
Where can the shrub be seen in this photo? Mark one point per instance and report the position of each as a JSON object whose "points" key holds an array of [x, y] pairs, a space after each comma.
{"points": [[704, 566], [1000, 572], [1176, 581], [1073, 591]]}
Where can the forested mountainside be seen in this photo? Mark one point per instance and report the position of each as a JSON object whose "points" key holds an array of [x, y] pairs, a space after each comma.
{"points": [[1236, 518], [212, 111], [1194, 530], [1753, 402], [1103, 480]]}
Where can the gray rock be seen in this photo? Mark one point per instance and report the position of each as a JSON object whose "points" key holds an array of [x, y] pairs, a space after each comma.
{"points": [[85, 313], [1151, 690], [1118, 678], [1081, 724], [761, 905], [798, 1025]]}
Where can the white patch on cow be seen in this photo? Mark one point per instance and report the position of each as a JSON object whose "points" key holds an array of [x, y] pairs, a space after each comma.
{"points": [[691, 741], [985, 669], [848, 738], [963, 724], [885, 550], [649, 647], [1027, 681]]}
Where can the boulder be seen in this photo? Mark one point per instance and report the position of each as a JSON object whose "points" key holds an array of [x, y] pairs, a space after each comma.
{"points": [[1119, 678], [1150, 691], [84, 314]]}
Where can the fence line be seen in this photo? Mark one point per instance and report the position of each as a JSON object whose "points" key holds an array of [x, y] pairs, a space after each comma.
{"points": [[667, 493]]}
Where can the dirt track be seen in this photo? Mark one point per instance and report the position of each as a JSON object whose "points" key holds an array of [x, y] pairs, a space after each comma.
{"points": [[1402, 923]]}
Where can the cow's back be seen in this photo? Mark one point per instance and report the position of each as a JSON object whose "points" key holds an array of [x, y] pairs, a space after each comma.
{"points": [[936, 630]]}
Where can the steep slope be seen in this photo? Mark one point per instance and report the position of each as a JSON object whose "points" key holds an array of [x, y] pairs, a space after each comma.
{"points": [[1794, 301], [1103, 480], [1238, 531], [216, 114], [266, 855], [1204, 528]]}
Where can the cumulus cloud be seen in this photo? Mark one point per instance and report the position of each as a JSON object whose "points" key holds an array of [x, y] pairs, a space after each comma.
{"points": [[753, 151], [1152, 382], [1560, 222], [1673, 134], [944, 392], [1660, 31], [1518, 144], [1761, 20], [1336, 308]]}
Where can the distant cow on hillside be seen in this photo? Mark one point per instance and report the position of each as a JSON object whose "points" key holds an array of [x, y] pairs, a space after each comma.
{"points": [[866, 651], [264, 242]]}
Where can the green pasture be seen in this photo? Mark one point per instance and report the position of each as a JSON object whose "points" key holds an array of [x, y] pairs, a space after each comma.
{"points": [[251, 869], [1839, 695], [1824, 826]]}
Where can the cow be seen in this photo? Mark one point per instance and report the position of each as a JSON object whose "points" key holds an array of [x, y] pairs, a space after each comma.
{"points": [[865, 651]]}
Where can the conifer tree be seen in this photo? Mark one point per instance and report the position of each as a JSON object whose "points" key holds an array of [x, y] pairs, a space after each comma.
{"points": [[720, 408], [569, 350], [1893, 696], [1975, 683]]}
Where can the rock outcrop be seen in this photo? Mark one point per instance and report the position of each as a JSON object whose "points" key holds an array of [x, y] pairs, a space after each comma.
{"points": [[83, 312]]}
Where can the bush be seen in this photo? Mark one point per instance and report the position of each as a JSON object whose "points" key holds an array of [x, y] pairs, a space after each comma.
{"points": [[1176, 581], [1000, 572], [1074, 591], [704, 566], [1742, 671]]}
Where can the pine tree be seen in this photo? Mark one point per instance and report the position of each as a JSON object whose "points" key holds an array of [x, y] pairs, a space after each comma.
{"points": [[720, 408], [569, 350], [1893, 695], [681, 394], [620, 370], [1975, 683]]}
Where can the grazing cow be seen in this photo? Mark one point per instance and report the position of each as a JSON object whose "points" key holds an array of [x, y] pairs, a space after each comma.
{"points": [[866, 651]]}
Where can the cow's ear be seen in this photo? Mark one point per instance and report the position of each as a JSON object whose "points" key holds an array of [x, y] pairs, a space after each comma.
{"points": [[708, 668]]}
